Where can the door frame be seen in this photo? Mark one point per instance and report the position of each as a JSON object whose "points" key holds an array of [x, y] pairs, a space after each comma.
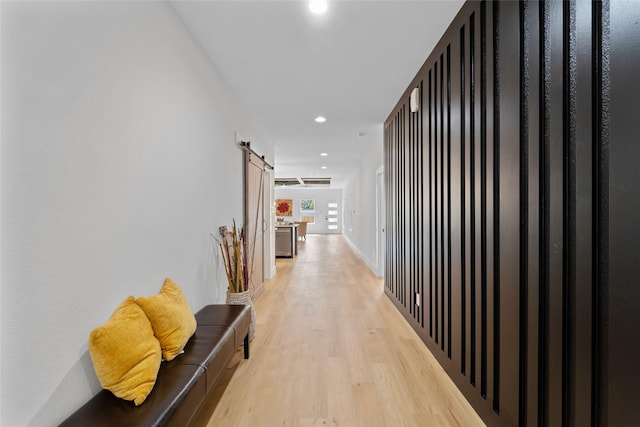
{"points": [[269, 214], [380, 222]]}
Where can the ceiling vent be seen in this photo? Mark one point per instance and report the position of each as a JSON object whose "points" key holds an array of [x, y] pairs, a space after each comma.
{"points": [[286, 182]]}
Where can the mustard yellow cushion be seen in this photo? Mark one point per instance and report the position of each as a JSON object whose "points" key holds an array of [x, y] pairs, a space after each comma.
{"points": [[172, 320], [125, 354]]}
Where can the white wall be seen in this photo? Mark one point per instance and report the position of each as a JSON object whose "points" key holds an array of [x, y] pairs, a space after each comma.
{"points": [[118, 160], [360, 205], [322, 197]]}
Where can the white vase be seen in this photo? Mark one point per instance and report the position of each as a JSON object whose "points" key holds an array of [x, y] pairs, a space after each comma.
{"points": [[243, 298]]}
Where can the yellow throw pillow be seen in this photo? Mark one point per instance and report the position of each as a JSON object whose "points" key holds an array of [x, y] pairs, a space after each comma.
{"points": [[125, 354], [172, 320]]}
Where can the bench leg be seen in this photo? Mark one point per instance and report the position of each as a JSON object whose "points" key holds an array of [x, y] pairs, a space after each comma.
{"points": [[246, 347]]}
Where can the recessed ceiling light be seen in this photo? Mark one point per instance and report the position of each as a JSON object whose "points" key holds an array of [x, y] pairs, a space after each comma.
{"points": [[318, 6], [320, 119], [324, 154], [323, 167]]}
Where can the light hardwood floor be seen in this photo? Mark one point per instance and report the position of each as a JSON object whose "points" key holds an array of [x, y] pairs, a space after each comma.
{"points": [[331, 349]]}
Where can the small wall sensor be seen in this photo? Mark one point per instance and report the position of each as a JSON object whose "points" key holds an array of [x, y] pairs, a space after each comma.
{"points": [[414, 100]]}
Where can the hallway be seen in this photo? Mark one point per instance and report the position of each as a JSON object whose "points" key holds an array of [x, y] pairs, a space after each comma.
{"points": [[331, 349]]}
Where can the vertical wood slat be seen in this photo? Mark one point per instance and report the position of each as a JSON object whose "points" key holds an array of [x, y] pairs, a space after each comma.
{"points": [[412, 233], [441, 201], [554, 213], [530, 276], [523, 367], [410, 214], [466, 177], [543, 217], [489, 161], [472, 199], [434, 203], [600, 129], [423, 206], [396, 224], [494, 277], [436, 200], [430, 208], [404, 144], [483, 201], [619, 186], [454, 199], [498, 209], [463, 207], [582, 340], [569, 209], [507, 152], [402, 271], [401, 210], [415, 212]]}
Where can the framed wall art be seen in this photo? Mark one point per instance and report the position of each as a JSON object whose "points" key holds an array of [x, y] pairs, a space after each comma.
{"points": [[284, 207]]}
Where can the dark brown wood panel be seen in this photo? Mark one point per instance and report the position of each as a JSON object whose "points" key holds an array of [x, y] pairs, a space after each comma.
{"points": [[580, 376], [455, 289], [508, 222], [512, 202], [620, 71]]}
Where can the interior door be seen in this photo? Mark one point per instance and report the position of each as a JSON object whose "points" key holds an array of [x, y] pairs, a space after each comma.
{"points": [[254, 220]]}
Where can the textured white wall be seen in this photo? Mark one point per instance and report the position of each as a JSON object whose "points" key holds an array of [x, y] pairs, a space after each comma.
{"points": [[118, 160], [360, 205]]}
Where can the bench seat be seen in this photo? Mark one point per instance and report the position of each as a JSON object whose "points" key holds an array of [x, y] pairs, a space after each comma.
{"points": [[183, 384]]}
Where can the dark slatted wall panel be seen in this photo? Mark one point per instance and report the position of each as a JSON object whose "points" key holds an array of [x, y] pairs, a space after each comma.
{"points": [[507, 221]]}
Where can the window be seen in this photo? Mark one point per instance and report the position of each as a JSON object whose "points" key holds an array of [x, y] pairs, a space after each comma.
{"points": [[308, 211]]}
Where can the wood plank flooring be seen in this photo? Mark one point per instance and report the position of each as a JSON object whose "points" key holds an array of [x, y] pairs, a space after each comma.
{"points": [[331, 349]]}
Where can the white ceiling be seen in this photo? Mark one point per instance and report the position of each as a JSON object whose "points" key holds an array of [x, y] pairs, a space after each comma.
{"points": [[287, 65]]}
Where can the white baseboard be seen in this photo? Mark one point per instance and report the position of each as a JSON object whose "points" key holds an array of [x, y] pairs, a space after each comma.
{"points": [[372, 266]]}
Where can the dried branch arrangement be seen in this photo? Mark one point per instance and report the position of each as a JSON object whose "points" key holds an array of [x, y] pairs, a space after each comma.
{"points": [[234, 255]]}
